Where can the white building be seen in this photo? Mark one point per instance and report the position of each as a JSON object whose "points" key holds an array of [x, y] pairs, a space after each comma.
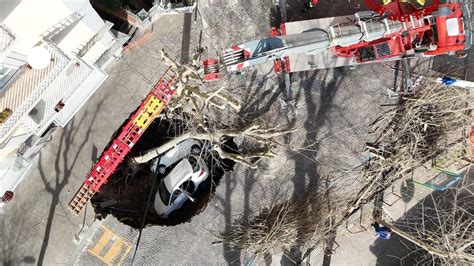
{"points": [[52, 59]]}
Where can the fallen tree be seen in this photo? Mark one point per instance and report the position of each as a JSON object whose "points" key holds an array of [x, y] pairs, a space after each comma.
{"points": [[413, 133], [192, 101], [254, 133], [293, 222]]}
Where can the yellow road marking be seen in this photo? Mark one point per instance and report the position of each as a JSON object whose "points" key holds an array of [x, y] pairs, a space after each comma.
{"points": [[114, 255], [104, 239]]}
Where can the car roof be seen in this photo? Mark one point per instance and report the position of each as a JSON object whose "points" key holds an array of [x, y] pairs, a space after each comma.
{"points": [[177, 152], [180, 173]]}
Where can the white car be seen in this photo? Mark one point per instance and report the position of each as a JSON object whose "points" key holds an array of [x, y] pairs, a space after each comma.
{"points": [[180, 184], [183, 149]]}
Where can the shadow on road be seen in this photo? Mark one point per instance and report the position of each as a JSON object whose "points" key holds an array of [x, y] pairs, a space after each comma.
{"points": [[15, 242], [185, 43], [258, 98], [306, 173], [231, 256], [452, 66], [63, 166]]}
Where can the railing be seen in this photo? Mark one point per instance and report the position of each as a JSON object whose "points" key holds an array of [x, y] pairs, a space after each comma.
{"points": [[153, 10], [6, 37], [61, 25], [140, 23], [107, 26], [119, 42]]}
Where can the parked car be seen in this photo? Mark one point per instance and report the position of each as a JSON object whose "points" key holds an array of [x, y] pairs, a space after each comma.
{"points": [[161, 164], [180, 184]]}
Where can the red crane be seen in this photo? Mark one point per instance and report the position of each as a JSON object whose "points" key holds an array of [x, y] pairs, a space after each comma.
{"points": [[392, 31]]}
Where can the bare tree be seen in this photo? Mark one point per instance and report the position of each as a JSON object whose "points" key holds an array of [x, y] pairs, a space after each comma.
{"points": [[411, 136], [253, 133], [442, 224], [413, 132]]}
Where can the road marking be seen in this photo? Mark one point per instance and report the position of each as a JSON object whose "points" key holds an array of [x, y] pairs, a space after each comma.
{"points": [[116, 252]]}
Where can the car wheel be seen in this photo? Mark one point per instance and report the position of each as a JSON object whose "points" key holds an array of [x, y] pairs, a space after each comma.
{"points": [[161, 169], [195, 149]]}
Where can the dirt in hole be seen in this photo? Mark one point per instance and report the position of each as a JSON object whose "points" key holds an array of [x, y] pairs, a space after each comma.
{"points": [[126, 193], [179, 3]]}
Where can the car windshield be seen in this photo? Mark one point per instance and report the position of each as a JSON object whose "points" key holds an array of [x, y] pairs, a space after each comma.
{"points": [[164, 193]]}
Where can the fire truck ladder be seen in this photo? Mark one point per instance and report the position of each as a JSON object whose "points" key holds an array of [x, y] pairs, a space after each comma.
{"points": [[369, 27], [121, 145]]}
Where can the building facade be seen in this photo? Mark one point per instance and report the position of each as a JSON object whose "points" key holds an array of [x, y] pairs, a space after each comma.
{"points": [[53, 56]]}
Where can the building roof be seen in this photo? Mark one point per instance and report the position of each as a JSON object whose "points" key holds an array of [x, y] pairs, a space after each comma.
{"points": [[81, 33], [31, 20], [94, 53], [27, 86], [64, 27], [61, 89]]}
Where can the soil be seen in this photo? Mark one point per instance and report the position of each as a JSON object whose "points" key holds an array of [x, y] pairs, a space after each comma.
{"points": [[126, 194], [182, 2]]}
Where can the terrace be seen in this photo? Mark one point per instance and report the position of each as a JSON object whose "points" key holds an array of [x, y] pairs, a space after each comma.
{"points": [[24, 89]]}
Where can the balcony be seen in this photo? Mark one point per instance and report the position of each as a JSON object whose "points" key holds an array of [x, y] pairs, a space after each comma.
{"points": [[60, 90], [27, 86]]}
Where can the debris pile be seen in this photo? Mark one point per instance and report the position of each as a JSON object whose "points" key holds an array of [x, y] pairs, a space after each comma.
{"points": [[294, 222], [413, 133]]}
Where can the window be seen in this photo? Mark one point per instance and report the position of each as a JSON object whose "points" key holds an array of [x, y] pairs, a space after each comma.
{"points": [[452, 25], [194, 163], [4, 71], [164, 193], [174, 196]]}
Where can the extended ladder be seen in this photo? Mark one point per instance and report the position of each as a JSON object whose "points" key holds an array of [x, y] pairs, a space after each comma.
{"points": [[115, 153]]}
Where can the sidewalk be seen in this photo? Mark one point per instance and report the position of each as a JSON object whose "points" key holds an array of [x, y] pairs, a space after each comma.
{"points": [[13, 169], [357, 244], [37, 225]]}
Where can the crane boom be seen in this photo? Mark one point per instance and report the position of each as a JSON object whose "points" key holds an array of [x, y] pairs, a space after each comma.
{"points": [[362, 38]]}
